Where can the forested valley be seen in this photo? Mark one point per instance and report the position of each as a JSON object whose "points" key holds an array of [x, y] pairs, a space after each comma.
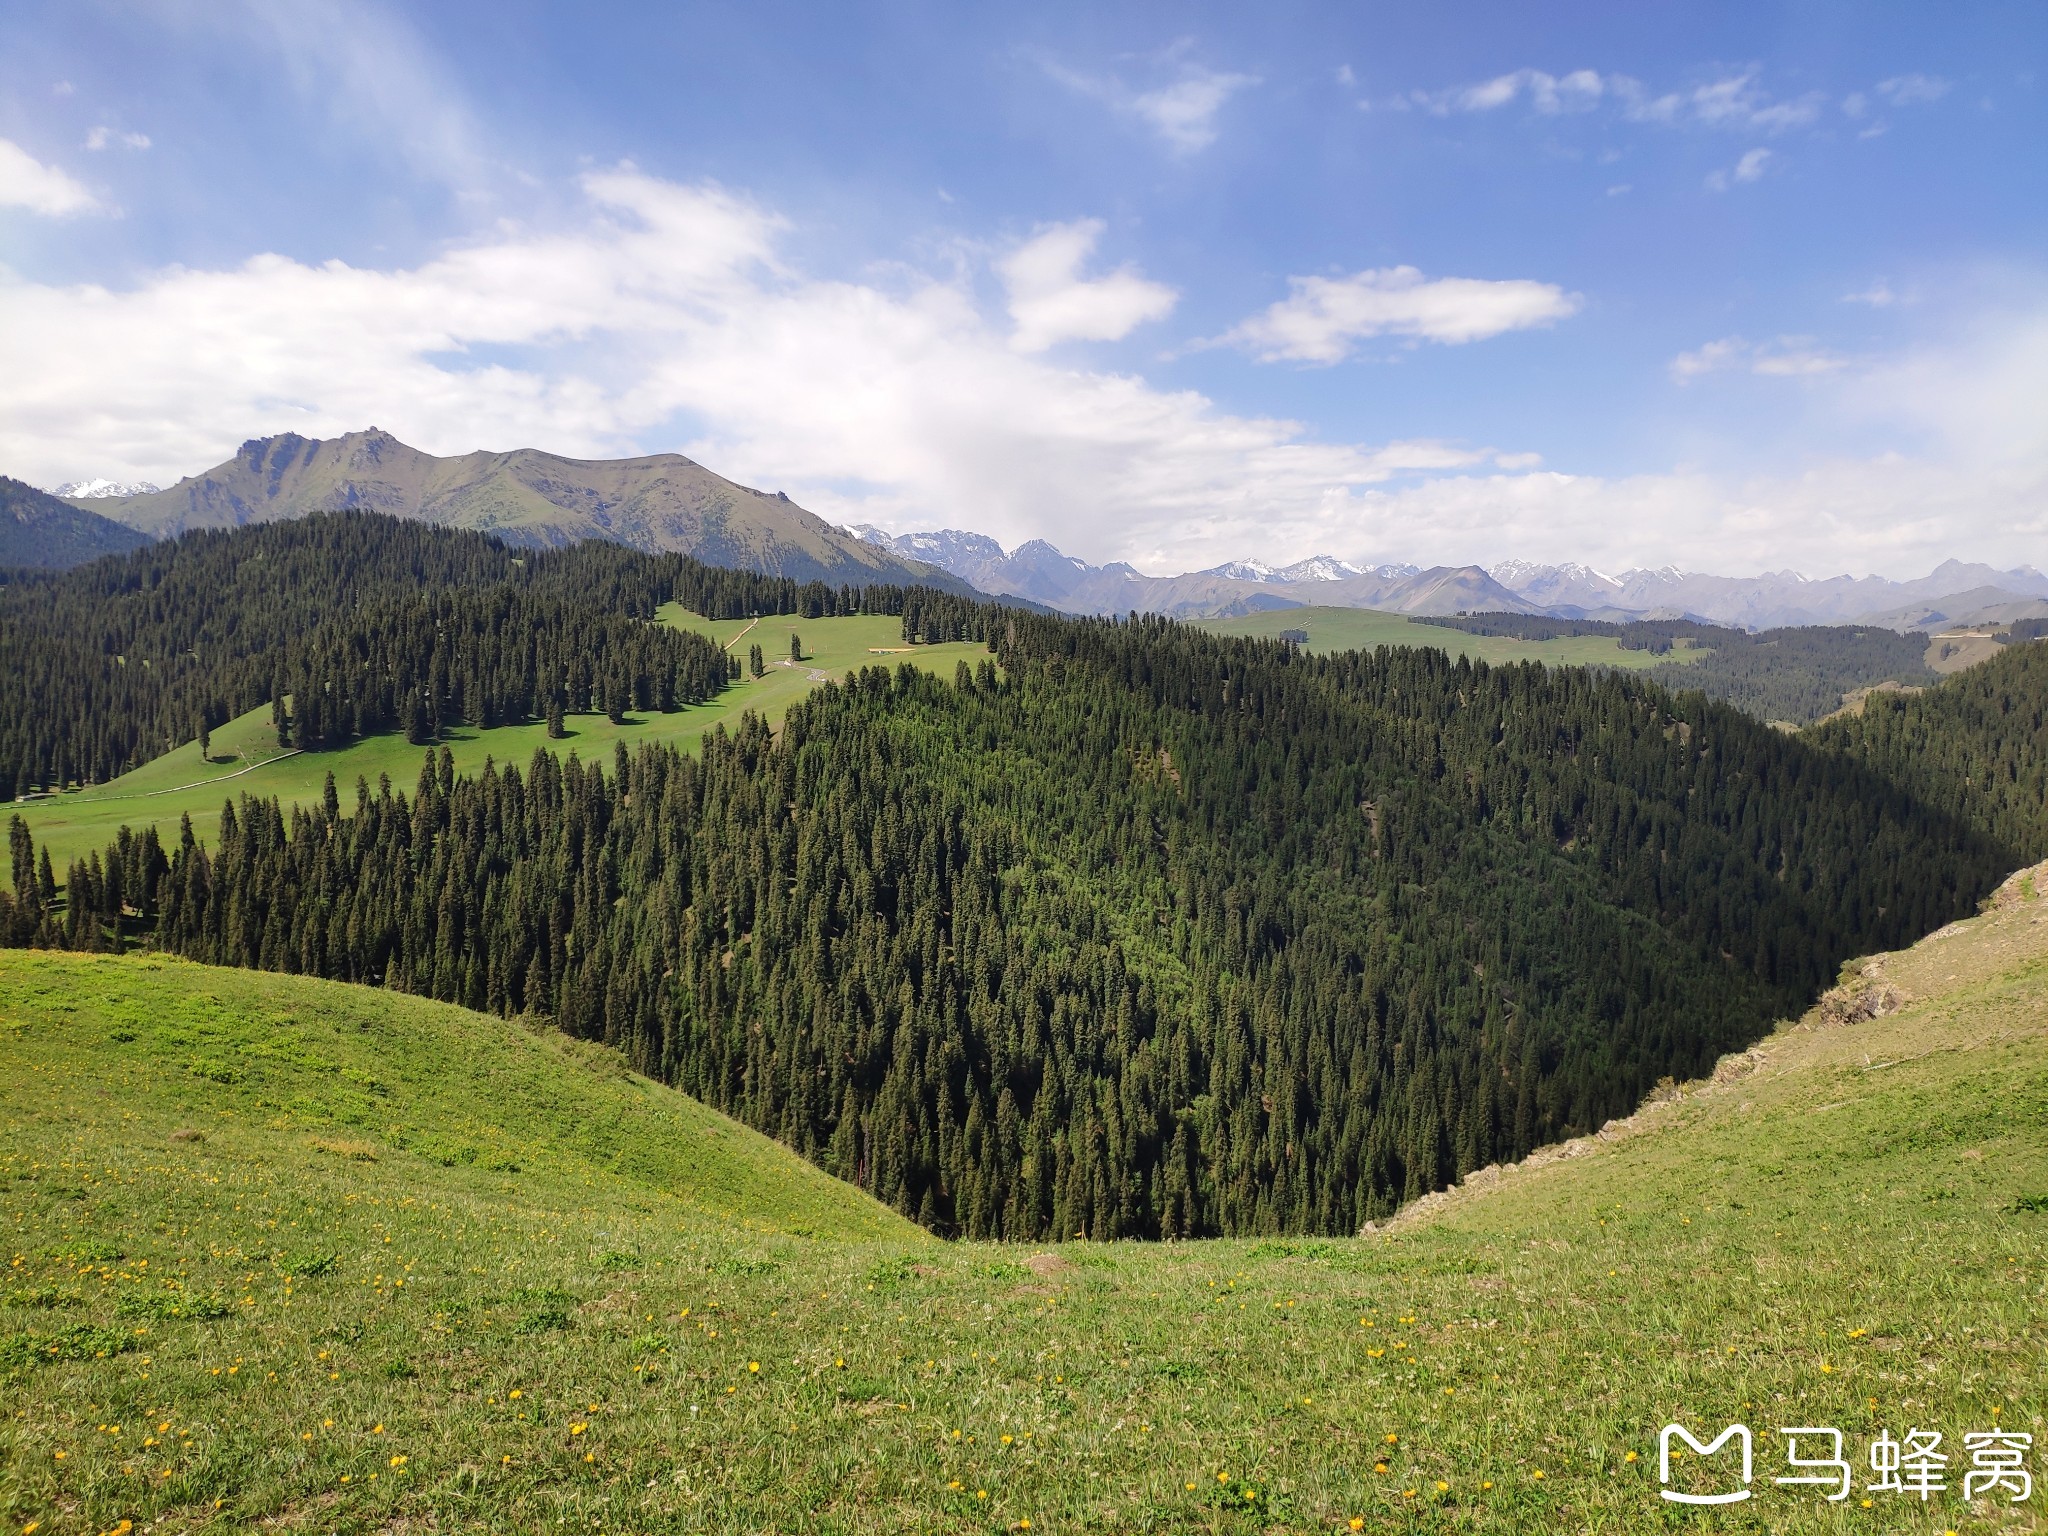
{"points": [[1797, 674], [1127, 931]]}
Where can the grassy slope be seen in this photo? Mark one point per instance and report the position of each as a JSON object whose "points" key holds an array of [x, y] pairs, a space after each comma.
{"points": [[1828, 1236], [246, 758], [1353, 629]]}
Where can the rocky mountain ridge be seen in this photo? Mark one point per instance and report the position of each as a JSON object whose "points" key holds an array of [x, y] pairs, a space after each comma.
{"points": [[1035, 570], [658, 502]]}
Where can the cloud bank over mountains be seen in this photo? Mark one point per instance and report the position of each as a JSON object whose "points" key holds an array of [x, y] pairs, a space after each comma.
{"points": [[666, 315], [668, 310]]}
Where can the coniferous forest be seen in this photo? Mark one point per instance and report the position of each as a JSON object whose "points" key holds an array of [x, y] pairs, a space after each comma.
{"points": [[368, 622], [1128, 931], [1976, 746]]}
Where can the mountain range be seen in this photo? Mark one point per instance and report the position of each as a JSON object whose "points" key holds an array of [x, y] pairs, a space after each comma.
{"points": [[1954, 593], [1040, 573], [668, 502], [660, 502]]}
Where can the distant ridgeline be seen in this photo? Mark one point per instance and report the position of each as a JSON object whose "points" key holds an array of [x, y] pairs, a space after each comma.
{"points": [[1797, 674], [366, 623], [1130, 930]]}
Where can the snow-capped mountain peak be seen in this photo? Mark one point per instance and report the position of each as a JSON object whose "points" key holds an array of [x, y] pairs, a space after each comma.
{"points": [[95, 490], [1318, 568], [1242, 570], [1517, 574], [1314, 568]]}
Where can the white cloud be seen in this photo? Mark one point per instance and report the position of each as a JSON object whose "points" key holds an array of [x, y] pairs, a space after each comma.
{"points": [[1051, 302], [1182, 112], [1976, 397], [1910, 90], [1789, 357], [25, 182], [1890, 514], [1878, 295], [1966, 476], [1749, 168], [102, 136], [1323, 316]]}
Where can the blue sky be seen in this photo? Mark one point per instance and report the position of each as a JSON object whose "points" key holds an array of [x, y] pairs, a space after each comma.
{"points": [[1730, 287]]}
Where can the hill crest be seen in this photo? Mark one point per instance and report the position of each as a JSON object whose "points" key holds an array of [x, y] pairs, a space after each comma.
{"points": [[39, 531]]}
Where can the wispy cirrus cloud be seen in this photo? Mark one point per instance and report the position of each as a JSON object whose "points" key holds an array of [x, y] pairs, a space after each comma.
{"points": [[25, 182], [1579, 91], [1750, 167], [1728, 101], [1182, 111], [1913, 90], [103, 137], [1322, 318], [1789, 357], [365, 66]]}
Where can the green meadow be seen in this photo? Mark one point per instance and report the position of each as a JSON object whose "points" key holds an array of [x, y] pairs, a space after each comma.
{"points": [[294, 1256], [243, 757], [1361, 629]]}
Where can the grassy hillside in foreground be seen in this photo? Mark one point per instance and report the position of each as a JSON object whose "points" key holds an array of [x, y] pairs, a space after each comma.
{"points": [[1845, 1228], [246, 760], [1360, 629]]}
